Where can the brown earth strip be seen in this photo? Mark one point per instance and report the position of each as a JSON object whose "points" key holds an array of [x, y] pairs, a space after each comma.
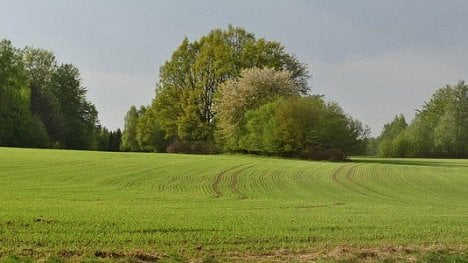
{"points": [[219, 178], [140, 256], [348, 177], [428, 252], [353, 254], [235, 182]]}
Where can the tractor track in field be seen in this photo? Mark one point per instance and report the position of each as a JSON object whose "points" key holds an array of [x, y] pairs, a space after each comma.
{"points": [[335, 176], [235, 182], [219, 178], [348, 177], [162, 187]]}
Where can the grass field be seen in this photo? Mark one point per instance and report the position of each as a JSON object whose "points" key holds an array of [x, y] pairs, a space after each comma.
{"points": [[93, 206]]}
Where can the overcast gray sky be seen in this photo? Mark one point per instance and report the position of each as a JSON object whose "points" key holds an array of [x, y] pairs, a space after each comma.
{"points": [[375, 58]]}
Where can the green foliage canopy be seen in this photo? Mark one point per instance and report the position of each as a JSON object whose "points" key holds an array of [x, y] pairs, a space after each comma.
{"points": [[231, 91], [303, 127], [42, 104], [440, 128], [15, 117], [185, 97], [252, 89], [129, 135]]}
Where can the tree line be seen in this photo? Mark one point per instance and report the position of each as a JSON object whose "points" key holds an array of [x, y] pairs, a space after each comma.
{"points": [[228, 91], [439, 129], [44, 105], [232, 92]]}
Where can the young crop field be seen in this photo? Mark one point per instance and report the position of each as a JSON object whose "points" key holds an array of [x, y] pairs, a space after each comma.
{"points": [[93, 206]]}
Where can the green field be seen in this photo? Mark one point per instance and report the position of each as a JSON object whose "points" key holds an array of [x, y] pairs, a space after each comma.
{"points": [[95, 206]]}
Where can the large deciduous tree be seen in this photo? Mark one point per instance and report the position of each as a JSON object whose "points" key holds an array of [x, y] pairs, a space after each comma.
{"points": [[185, 96]]}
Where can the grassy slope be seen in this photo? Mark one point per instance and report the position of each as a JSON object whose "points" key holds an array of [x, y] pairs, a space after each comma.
{"points": [[84, 202]]}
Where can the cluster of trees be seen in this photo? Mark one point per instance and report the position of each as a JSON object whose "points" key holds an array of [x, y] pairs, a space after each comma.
{"points": [[109, 141], [226, 92], [43, 104], [440, 128], [230, 91], [263, 111]]}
